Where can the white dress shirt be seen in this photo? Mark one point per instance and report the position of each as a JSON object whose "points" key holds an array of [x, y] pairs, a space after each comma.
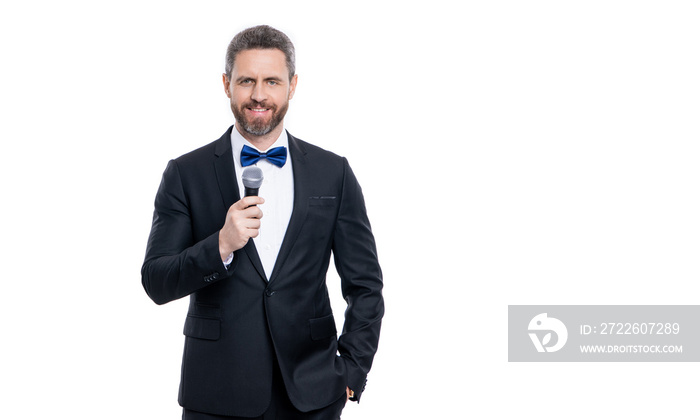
{"points": [[278, 191]]}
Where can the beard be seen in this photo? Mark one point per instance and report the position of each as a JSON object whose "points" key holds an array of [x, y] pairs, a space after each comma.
{"points": [[259, 126]]}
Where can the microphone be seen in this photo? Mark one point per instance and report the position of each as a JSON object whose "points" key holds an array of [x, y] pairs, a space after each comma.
{"points": [[252, 180]]}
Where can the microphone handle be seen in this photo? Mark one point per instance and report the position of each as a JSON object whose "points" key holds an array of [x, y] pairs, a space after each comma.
{"points": [[251, 191]]}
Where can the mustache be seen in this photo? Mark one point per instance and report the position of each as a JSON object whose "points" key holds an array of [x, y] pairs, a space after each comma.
{"points": [[256, 104]]}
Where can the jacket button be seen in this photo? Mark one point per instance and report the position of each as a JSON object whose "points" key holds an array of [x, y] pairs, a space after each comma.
{"points": [[269, 292]]}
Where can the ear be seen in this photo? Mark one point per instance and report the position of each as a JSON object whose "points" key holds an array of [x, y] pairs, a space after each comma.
{"points": [[227, 84], [292, 86]]}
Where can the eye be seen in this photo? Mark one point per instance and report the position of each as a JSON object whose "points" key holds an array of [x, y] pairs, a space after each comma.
{"points": [[272, 82], [246, 81]]}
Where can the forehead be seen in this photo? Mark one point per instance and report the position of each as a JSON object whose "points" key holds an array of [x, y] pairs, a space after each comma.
{"points": [[259, 62]]}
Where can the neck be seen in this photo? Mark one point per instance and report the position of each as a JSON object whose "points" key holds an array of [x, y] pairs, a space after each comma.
{"points": [[263, 142]]}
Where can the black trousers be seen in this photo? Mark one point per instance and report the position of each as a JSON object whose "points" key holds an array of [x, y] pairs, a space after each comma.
{"points": [[280, 408]]}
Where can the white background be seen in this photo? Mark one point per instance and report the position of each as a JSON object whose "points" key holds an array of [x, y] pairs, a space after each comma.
{"points": [[511, 152]]}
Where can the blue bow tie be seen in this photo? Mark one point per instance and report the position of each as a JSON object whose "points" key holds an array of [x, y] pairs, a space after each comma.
{"points": [[276, 156]]}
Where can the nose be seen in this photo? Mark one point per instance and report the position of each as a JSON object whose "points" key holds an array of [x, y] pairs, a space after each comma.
{"points": [[259, 94]]}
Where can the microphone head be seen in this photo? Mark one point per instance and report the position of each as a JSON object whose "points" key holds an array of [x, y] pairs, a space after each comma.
{"points": [[252, 177]]}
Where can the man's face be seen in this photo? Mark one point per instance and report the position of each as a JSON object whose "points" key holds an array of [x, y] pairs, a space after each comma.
{"points": [[259, 90]]}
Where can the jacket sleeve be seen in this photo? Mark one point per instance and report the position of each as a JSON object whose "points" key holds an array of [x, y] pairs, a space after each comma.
{"points": [[175, 266], [356, 260]]}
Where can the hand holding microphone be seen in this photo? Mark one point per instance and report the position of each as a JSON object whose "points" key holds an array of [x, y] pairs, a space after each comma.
{"points": [[243, 217]]}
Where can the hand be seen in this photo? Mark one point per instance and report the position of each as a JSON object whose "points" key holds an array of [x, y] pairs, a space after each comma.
{"points": [[242, 223], [349, 392]]}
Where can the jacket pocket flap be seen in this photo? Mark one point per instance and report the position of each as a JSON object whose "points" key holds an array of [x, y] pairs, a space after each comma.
{"points": [[322, 327], [204, 328]]}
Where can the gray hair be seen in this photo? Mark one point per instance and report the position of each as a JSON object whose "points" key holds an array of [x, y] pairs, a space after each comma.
{"points": [[260, 37]]}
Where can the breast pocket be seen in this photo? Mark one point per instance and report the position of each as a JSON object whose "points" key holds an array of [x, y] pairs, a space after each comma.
{"points": [[320, 217], [322, 201]]}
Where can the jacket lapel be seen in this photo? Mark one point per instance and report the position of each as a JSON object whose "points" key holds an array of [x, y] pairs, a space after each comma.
{"points": [[228, 186], [300, 168]]}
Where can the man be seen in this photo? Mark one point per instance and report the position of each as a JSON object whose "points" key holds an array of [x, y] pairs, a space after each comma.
{"points": [[260, 338]]}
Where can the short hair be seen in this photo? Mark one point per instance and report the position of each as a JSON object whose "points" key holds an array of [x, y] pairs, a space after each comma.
{"points": [[260, 37]]}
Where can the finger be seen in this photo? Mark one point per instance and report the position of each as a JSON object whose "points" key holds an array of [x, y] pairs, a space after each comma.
{"points": [[246, 202], [244, 224], [251, 229], [251, 223], [249, 213], [254, 212]]}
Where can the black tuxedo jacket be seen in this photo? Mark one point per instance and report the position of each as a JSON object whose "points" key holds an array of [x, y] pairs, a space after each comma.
{"points": [[239, 321]]}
